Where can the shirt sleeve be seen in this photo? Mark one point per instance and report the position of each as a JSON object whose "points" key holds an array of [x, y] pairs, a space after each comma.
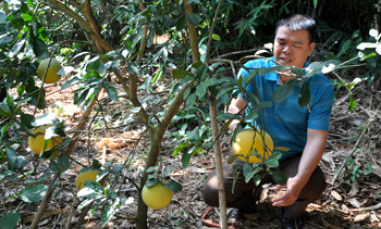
{"points": [[244, 73], [320, 116]]}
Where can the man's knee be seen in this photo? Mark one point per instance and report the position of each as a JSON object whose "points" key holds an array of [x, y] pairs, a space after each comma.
{"points": [[315, 186], [210, 191]]}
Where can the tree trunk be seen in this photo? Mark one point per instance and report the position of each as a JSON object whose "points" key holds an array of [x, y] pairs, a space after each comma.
{"points": [[218, 157], [192, 34]]}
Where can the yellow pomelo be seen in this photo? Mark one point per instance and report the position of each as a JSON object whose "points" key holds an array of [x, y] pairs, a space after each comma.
{"points": [[248, 140], [37, 143], [85, 176], [52, 75], [157, 196]]}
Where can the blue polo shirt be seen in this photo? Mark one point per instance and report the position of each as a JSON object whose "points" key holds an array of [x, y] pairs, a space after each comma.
{"points": [[286, 122]]}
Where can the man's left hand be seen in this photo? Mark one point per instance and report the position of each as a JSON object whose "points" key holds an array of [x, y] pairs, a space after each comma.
{"points": [[293, 188]]}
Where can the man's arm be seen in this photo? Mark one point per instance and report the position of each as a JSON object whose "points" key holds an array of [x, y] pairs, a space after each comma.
{"points": [[235, 106], [311, 156]]}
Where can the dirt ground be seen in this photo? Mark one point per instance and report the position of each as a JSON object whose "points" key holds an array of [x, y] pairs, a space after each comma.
{"points": [[337, 208]]}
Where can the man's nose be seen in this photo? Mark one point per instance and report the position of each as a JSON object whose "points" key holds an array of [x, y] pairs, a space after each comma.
{"points": [[286, 49]]}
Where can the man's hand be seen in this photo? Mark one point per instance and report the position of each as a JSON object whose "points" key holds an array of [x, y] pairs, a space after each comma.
{"points": [[235, 106], [310, 159], [293, 188]]}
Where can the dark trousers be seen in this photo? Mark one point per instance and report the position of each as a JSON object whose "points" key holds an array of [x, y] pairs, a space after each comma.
{"points": [[242, 197]]}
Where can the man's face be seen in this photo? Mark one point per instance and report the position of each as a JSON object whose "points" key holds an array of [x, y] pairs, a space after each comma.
{"points": [[292, 47]]}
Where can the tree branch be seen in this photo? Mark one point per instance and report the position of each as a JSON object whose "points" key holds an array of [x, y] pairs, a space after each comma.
{"points": [[172, 110]]}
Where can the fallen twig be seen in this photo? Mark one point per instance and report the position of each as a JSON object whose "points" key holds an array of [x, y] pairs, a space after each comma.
{"points": [[370, 208], [352, 152]]}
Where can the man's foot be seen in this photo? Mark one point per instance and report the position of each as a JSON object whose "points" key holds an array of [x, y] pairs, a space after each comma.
{"points": [[251, 215], [291, 224], [236, 213]]}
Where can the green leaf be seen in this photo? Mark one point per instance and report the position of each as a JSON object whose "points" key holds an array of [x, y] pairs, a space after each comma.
{"points": [[223, 92], [191, 100], [235, 181], [352, 104], [106, 214], [151, 182], [111, 91], [151, 169], [43, 177], [257, 179], [297, 71], [112, 194], [315, 3], [272, 162], [168, 170], [224, 116], [201, 90], [24, 7], [193, 19], [233, 158], [282, 92], [247, 168], [26, 17], [304, 95], [5, 111], [279, 177], [202, 72], [346, 45], [181, 147], [251, 77], [322, 67], [174, 186], [17, 47], [33, 193], [20, 162], [12, 157], [278, 155], [63, 162], [93, 185], [265, 70], [44, 119], [252, 173], [158, 75], [94, 63], [252, 97], [186, 157], [58, 193], [134, 69], [251, 115], [179, 73], [263, 104], [216, 37], [54, 182], [27, 120], [89, 194], [53, 166], [70, 82], [10, 220], [40, 49]]}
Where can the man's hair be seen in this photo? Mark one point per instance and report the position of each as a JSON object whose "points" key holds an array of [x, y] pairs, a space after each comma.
{"points": [[298, 22]]}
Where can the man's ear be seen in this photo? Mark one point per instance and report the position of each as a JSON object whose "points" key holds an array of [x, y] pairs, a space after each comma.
{"points": [[311, 48]]}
